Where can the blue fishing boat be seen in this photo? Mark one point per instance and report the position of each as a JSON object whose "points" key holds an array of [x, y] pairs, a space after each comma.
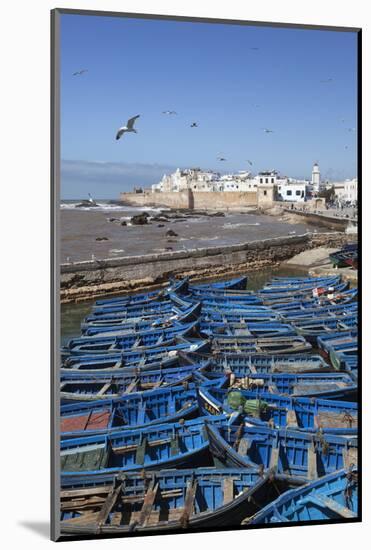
{"points": [[242, 364], [237, 315], [325, 385], [277, 345], [175, 286], [150, 358], [276, 411], [286, 451], [320, 311], [141, 323], [128, 342], [166, 500], [275, 297], [312, 328], [333, 497], [253, 330], [82, 386], [302, 303], [175, 445], [128, 412], [239, 283]]}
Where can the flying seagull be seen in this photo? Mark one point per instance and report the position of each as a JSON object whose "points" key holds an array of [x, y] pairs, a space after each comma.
{"points": [[169, 113], [326, 80], [194, 125], [221, 158], [351, 129], [249, 161], [254, 48], [268, 131], [79, 73], [128, 128]]}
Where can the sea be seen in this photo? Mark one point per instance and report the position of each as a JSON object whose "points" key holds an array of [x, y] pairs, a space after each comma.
{"points": [[106, 231]]}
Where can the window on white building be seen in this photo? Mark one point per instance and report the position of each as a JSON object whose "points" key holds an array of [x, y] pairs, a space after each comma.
{"points": [[289, 193], [297, 193], [272, 180], [266, 180], [261, 180]]}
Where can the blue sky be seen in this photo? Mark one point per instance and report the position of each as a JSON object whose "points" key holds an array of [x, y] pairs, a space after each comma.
{"points": [[212, 74]]}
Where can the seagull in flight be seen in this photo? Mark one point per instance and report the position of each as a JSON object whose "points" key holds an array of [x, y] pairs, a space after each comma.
{"points": [[194, 125], [326, 80], [221, 158], [268, 131], [351, 129], [249, 161], [128, 128], [79, 73], [169, 113]]}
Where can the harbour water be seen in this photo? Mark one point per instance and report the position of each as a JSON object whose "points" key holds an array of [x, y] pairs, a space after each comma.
{"points": [[72, 314]]}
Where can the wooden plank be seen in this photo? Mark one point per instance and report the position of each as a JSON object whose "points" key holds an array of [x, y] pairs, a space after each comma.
{"points": [[350, 457], [104, 389], [109, 504], [228, 490], [312, 463], [244, 446], [132, 385], [291, 419], [148, 503], [141, 451], [273, 463], [326, 502], [189, 501]]}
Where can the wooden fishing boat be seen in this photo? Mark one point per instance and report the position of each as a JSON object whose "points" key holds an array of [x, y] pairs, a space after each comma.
{"points": [[284, 451], [333, 497], [238, 283], [347, 296], [82, 386], [246, 329], [312, 328], [237, 315], [142, 323], [174, 287], [277, 286], [344, 258], [276, 411], [340, 347], [242, 364], [175, 445], [325, 385], [128, 412], [320, 311], [277, 345], [128, 342], [140, 311], [167, 500], [150, 358], [271, 298]]}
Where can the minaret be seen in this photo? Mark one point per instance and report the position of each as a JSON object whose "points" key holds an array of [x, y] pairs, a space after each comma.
{"points": [[316, 178]]}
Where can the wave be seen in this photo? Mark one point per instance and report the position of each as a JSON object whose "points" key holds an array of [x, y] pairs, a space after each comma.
{"points": [[105, 207]]}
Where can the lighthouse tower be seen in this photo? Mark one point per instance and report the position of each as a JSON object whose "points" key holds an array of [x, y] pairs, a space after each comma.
{"points": [[316, 178]]}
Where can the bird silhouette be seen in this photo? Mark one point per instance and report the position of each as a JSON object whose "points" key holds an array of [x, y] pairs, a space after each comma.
{"points": [[128, 128]]}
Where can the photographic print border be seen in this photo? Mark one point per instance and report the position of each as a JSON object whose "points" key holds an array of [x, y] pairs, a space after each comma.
{"points": [[55, 255]]}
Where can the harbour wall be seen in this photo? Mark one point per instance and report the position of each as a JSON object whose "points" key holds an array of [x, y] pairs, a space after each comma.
{"points": [[331, 222], [92, 279], [192, 200]]}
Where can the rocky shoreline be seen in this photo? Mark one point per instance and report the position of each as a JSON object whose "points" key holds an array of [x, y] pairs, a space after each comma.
{"points": [[94, 279]]}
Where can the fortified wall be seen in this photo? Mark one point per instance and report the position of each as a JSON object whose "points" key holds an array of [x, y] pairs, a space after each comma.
{"points": [[92, 279], [188, 199]]}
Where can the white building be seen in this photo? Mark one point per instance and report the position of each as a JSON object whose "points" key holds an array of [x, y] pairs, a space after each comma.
{"points": [[347, 191], [288, 189]]}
